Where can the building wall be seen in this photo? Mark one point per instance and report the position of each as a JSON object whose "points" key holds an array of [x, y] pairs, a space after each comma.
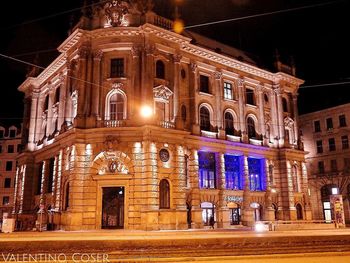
{"points": [[73, 128], [337, 175], [10, 145]]}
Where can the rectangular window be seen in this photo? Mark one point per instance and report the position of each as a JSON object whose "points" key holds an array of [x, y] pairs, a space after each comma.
{"points": [[342, 121], [51, 175], [2, 133], [256, 174], [321, 167], [233, 172], [345, 142], [249, 93], [10, 149], [6, 200], [228, 92], [117, 68], [204, 84], [331, 142], [207, 170], [334, 166], [12, 133], [9, 166], [329, 123], [0, 148], [317, 126], [319, 146], [7, 183], [346, 165]]}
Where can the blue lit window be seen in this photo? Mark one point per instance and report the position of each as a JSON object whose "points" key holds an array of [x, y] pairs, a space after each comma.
{"points": [[233, 172], [207, 174], [256, 174]]}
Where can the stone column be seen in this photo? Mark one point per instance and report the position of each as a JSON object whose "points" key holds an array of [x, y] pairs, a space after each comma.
{"points": [[148, 74], [196, 211], [62, 101], [33, 120], [241, 109], [96, 84], [270, 213], [218, 109], [290, 189], [279, 92], [177, 69], [274, 130], [67, 98], [259, 89], [247, 213], [50, 115], [295, 117], [223, 218], [135, 82], [194, 100]]}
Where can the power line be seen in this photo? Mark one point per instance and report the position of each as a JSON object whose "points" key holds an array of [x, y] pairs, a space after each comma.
{"points": [[263, 14], [326, 84]]}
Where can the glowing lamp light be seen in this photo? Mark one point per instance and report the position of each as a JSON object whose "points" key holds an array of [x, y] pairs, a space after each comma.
{"points": [[334, 191], [260, 227], [178, 26], [146, 111]]}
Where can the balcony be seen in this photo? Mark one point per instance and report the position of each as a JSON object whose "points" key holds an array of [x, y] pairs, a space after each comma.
{"points": [[166, 124], [111, 124]]}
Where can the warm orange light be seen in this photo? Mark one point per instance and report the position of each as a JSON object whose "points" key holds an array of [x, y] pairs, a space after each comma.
{"points": [[146, 111], [178, 26]]}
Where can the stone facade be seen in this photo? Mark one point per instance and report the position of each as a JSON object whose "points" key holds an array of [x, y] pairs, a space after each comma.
{"points": [[167, 170], [10, 145], [326, 139]]}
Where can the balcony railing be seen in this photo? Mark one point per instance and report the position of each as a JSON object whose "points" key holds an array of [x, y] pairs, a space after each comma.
{"points": [[159, 21], [167, 124], [113, 123]]}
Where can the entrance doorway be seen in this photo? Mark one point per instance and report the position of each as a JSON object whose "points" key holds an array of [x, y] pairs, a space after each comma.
{"points": [[113, 207], [189, 216]]}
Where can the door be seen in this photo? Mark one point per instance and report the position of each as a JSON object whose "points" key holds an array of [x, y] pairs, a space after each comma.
{"points": [[235, 216], [113, 207]]}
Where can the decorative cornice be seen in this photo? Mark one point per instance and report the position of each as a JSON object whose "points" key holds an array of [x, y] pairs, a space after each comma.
{"points": [[177, 58], [217, 75], [117, 85], [98, 54], [135, 51]]}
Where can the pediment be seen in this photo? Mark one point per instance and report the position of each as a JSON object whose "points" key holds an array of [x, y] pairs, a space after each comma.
{"points": [[162, 93]]}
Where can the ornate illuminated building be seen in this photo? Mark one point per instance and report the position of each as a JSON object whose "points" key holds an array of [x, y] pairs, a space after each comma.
{"points": [[10, 146], [326, 139], [134, 126]]}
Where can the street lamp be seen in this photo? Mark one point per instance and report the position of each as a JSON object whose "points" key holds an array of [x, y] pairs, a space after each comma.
{"points": [[146, 111]]}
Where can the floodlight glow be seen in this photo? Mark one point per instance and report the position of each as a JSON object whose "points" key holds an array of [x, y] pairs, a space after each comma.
{"points": [[259, 227], [146, 111], [334, 191]]}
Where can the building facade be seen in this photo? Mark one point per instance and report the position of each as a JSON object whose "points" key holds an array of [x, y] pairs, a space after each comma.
{"points": [[134, 126], [326, 139], [10, 146]]}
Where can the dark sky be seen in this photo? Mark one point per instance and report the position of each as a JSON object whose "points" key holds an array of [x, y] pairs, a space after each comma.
{"points": [[317, 39]]}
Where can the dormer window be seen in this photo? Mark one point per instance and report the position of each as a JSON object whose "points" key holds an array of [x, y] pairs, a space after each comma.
{"points": [[117, 68], [204, 84], [160, 70], [12, 133]]}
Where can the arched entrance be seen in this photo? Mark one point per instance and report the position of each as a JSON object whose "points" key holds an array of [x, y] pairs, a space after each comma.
{"points": [[299, 209], [257, 212], [235, 213], [189, 216], [113, 207], [208, 210]]}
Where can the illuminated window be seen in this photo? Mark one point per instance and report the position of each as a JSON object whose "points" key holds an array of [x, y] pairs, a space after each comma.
{"points": [[116, 107], [160, 70], [164, 194], [207, 170], [233, 172], [228, 91], [208, 210], [256, 174]]}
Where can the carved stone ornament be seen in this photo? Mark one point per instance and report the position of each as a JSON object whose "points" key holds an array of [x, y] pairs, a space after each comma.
{"points": [[116, 166], [83, 51], [193, 66], [117, 85], [150, 49], [177, 58], [98, 54], [135, 51], [288, 122], [162, 93], [240, 82], [164, 155], [111, 143], [217, 75], [115, 13]]}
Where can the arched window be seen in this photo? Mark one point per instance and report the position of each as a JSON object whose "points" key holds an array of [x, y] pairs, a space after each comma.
{"points": [[295, 178], [160, 70], [57, 94], [116, 107], [285, 105], [183, 113], [164, 194], [204, 119], [229, 124], [299, 209], [251, 127]]}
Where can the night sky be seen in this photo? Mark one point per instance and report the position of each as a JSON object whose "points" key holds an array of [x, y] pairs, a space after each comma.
{"points": [[315, 37]]}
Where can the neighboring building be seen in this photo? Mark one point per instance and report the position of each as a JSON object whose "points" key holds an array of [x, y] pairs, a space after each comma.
{"points": [[10, 145], [326, 136], [217, 134]]}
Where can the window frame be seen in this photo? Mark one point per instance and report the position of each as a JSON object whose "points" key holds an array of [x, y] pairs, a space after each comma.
{"points": [[228, 91], [342, 121], [317, 126], [117, 70], [164, 194], [206, 87]]}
